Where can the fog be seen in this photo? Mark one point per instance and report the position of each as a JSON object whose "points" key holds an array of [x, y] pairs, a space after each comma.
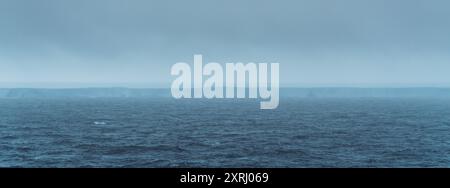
{"points": [[82, 43]]}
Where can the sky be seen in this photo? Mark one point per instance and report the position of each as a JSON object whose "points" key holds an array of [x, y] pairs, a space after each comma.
{"points": [[135, 42]]}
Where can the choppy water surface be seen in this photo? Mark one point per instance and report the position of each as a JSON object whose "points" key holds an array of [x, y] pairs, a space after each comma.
{"points": [[164, 132]]}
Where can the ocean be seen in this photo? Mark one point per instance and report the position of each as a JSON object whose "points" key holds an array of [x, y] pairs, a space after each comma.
{"points": [[165, 132]]}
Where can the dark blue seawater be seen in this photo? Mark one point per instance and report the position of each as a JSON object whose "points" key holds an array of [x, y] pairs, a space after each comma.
{"points": [[164, 132]]}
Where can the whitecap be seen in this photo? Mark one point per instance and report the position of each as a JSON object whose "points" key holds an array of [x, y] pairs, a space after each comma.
{"points": [[99, 123]]}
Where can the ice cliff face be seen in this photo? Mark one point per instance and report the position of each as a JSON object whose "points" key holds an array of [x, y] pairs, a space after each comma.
{"points": [[284, 92], [83, 92]]}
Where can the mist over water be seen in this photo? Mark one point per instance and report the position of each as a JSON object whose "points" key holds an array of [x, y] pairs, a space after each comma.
{"points": [[74, 79]]}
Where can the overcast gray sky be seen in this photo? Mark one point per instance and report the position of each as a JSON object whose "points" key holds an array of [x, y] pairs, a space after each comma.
{"points": [[316, 42]]}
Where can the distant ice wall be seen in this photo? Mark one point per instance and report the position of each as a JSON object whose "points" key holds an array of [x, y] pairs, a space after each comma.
{"points": [[284, 92]]}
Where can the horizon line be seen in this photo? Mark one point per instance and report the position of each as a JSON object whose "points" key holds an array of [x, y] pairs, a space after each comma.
{"points": [[154, 85], [284, 87]]}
